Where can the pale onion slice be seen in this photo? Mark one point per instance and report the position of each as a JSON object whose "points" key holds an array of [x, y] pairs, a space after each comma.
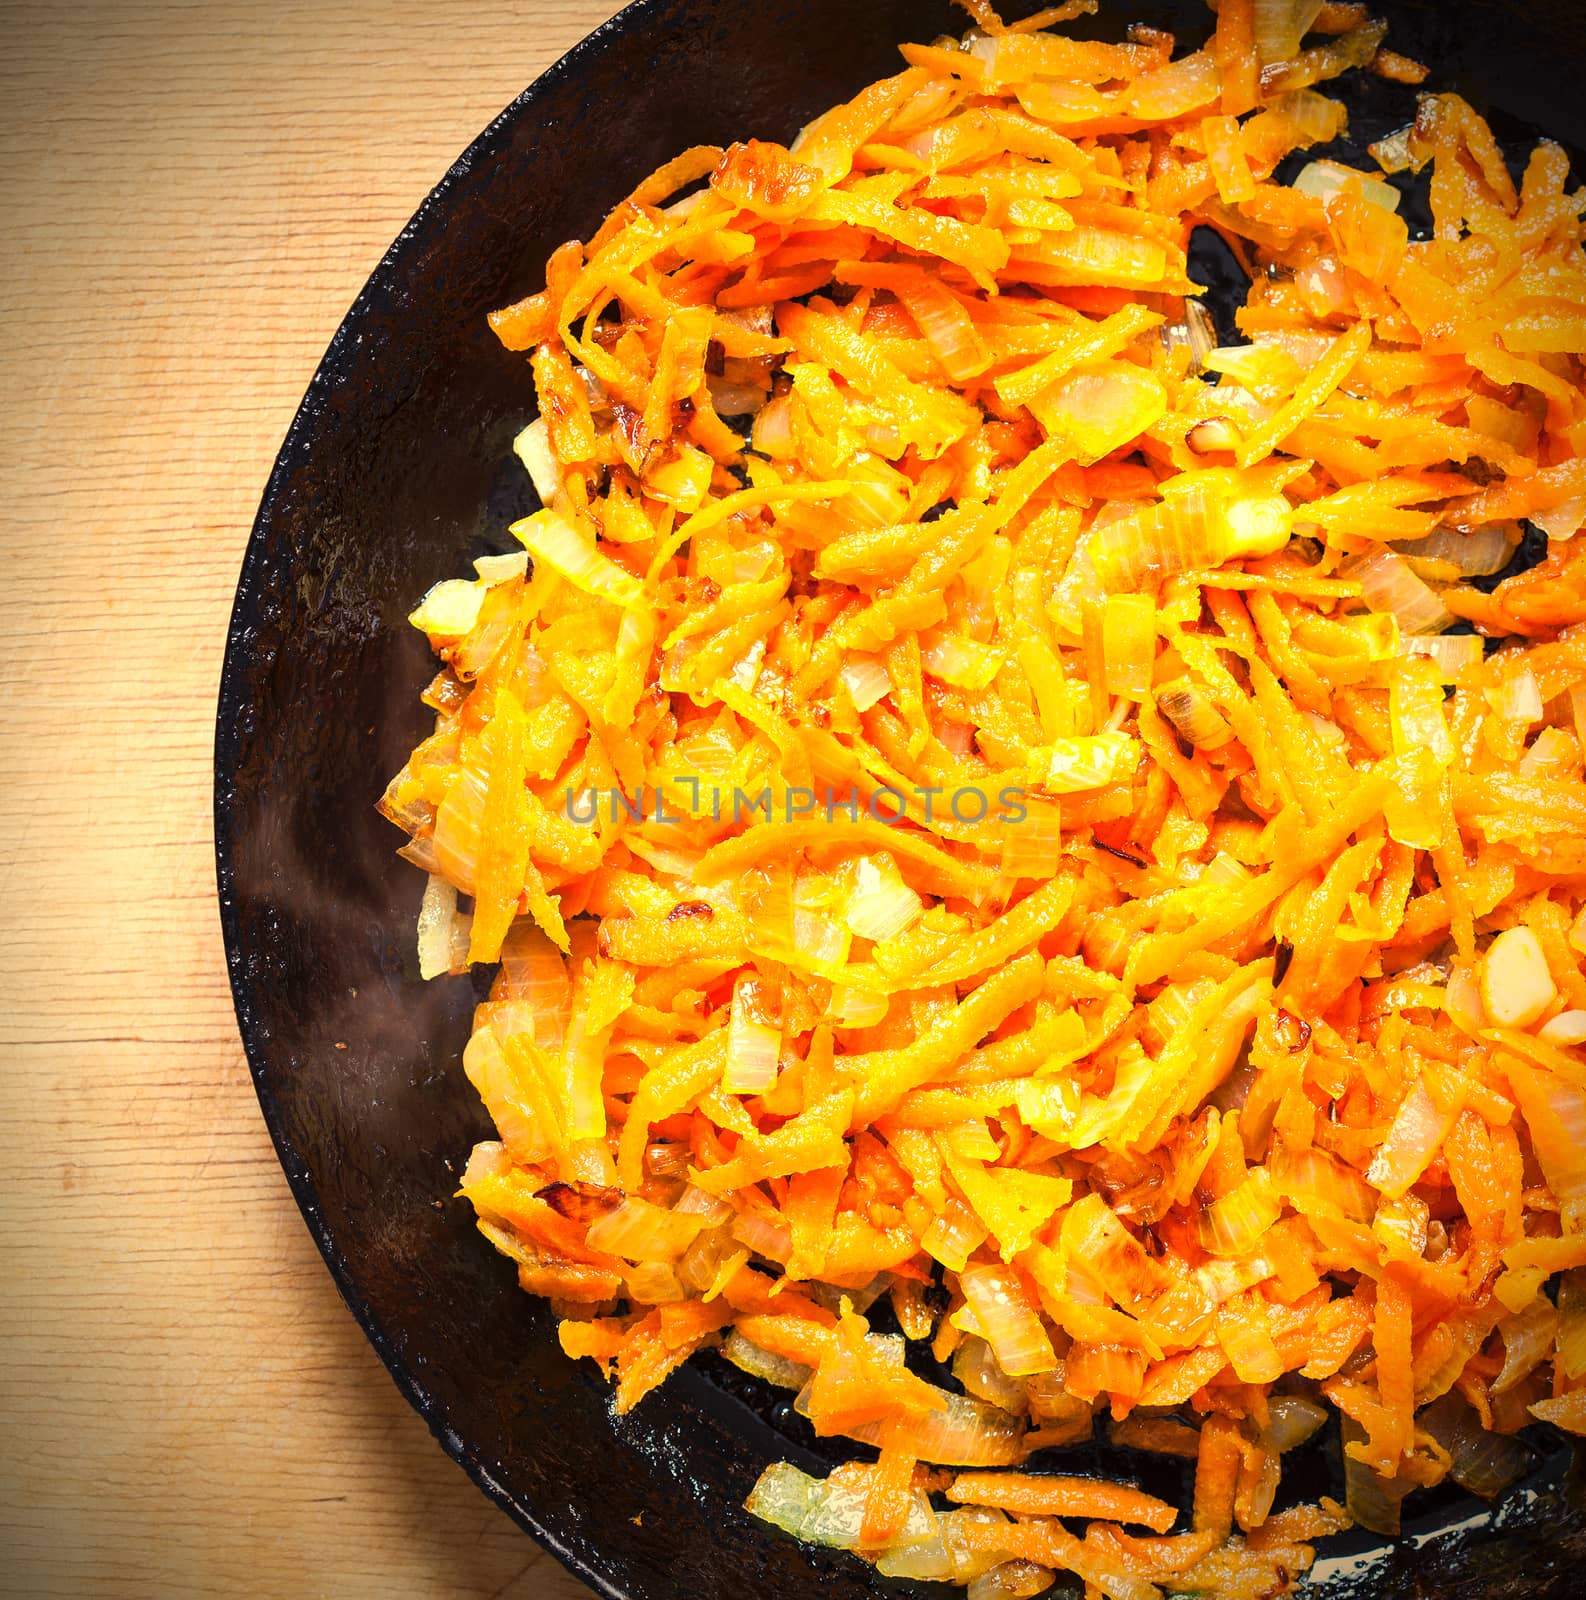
{"points": [[1189, 708], [1516, 986], [1482, 1462], [753, 1049], [639, 1231], [1291, 1420], [1563, 521], [1567, 1028], [758, 1363], [976, 1368], [555, 541], [442, 933], [1528, 1338], [961, 1432], [1007, 1320], [450, 609], [1571, 1341], [502, 569], [881, 905], [1478, 553], [1452, 652], [533, 448], [1388, 585], [866, 681], [1280, 25], [1392, 152], [1011, 1580], [1324, 179]]}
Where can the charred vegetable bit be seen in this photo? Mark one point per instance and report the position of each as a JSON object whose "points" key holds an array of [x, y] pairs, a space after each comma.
{"points": [[986, 829]]}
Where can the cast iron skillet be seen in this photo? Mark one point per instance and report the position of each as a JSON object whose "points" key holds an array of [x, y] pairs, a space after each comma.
{"points": [[396, 471]]}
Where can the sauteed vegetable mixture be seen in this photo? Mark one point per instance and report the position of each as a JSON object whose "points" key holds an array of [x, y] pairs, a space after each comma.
{"points": [[1036, 857]]}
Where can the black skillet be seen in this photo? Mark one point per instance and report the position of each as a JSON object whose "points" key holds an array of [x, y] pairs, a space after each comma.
{"points": [[397, 470]]}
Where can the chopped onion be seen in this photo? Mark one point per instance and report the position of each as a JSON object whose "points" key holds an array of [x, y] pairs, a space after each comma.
{"points": [[971, 1140], [443, 935], [1008, 1320], [555, 541], [533, 447], [1477, 553], [681, 208], [502, 569], [1452, 652], [1291, 1420], [758, 1363], [1084, 761], [639, 1231], [1403, 1224], [976, 1368], [1324, 179], [711, 1209], [1518, 697], [866, 681], [1231, 1226], [701, 1264], [753, 1048], [1201, 329], [654, 1283], [1462, 1000], [1312, 1173], [1553, 754], [1482, 1462], [825, 1513], [820, 941], [954, 1235], [1012, 1580], [1563, 521], [1253, 367], [1223, 870], [1555, 1116], [1567, 1028], [1392, 152], [1372, 1501], [961, 1432], [683, 481], [1197, 333], [881, 905], [1571, 1338], [1419, 1127], [450, 609], [1189, 708], [857, 1008], [1516, 985], [1527, 1341], [1388, 585], [1280, 25], [963, 663], [735, 399], [773, 429], [773, 1240], [948, 1557], [593, 387]]}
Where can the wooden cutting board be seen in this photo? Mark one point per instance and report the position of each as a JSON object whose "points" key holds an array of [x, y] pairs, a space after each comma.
{"points": [[192, 195]]}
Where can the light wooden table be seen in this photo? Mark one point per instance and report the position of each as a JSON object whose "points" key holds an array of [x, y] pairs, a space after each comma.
{"points": [[190, 196]]}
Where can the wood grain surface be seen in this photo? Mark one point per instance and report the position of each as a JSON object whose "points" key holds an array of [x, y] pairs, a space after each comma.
{"points": [[192, 195]]}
